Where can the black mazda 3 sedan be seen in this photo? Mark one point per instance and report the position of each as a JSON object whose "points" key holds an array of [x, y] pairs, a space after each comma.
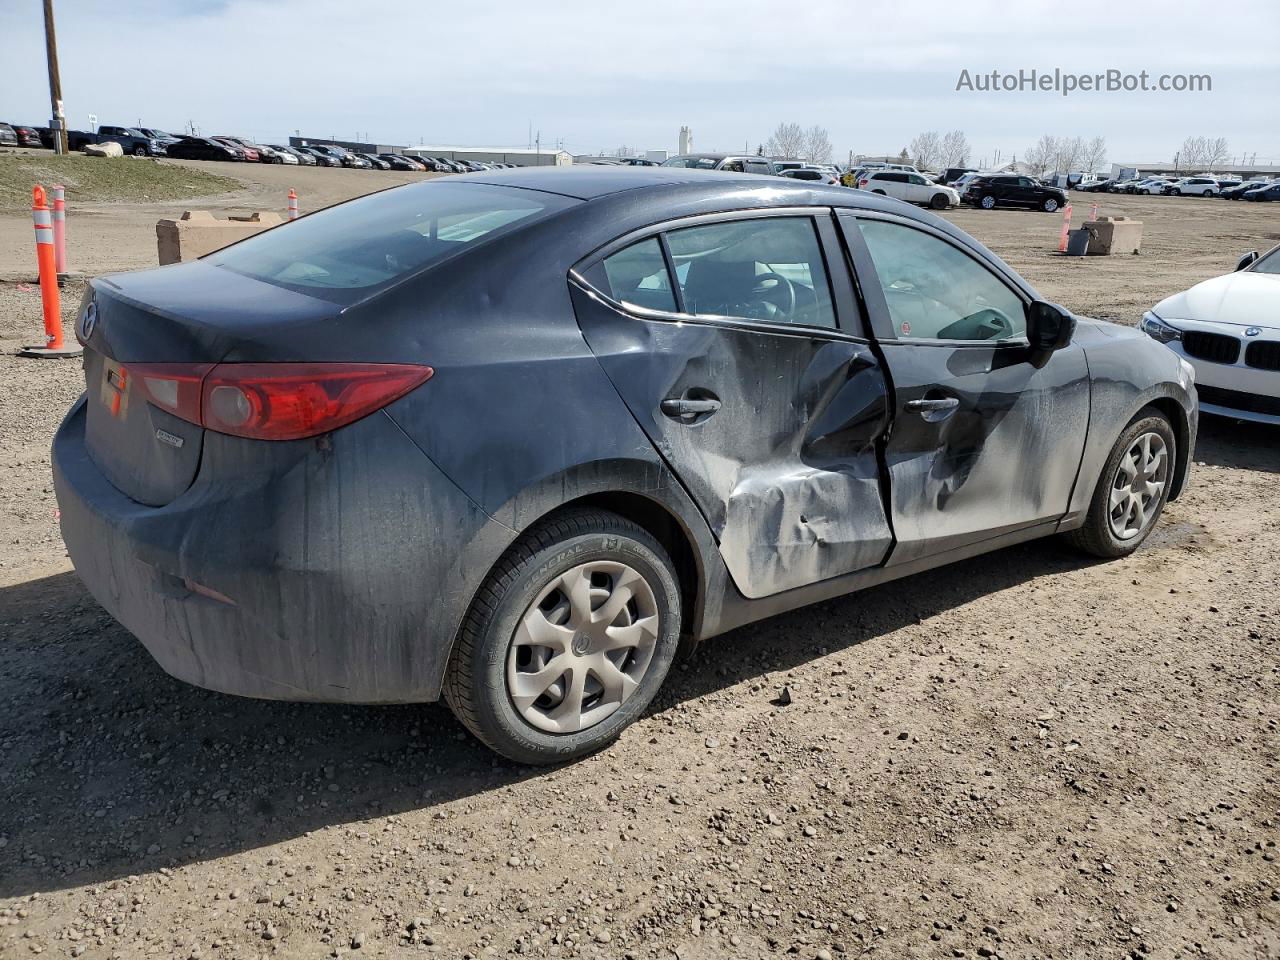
{"points": [[512, 437]]}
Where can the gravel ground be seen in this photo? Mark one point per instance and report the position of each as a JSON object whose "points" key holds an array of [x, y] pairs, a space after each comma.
{"points": [[1031, 754]]}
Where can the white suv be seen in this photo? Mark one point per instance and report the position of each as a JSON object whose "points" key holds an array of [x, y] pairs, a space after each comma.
{"points": [[909, 186], [1193, 187]]}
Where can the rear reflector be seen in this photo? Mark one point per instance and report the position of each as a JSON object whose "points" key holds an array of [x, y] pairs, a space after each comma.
{"points": [[276, 401]]}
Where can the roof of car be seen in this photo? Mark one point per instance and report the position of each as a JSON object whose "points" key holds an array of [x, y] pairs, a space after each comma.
{"points": [[588, 181]]}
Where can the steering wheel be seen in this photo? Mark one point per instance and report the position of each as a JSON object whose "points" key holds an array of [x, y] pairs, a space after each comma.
{"points": [[786, 284]]}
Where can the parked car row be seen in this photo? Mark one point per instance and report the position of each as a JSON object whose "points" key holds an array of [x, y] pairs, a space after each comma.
{"points": [[1195, 186], [152, 142], [893, 180]]}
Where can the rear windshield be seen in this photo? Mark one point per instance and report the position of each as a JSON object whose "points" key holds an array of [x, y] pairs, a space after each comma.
{"points": [[349, 251]]}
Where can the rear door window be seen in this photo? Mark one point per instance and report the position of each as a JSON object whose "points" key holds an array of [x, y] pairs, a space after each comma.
{"points": [[767, 269], [353, 249]]}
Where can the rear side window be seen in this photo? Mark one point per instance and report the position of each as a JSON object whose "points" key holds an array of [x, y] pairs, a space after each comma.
{"points": [[350, 250], [638, 275]]}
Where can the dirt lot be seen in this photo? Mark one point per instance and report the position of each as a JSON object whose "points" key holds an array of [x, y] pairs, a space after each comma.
{"points": [[1028, 755]]}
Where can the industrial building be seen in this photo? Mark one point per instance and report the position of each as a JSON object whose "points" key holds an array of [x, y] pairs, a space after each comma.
{"points": [[354, 146], [520, 156]]}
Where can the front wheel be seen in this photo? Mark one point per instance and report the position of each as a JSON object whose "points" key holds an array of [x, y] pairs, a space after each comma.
{"points": [[1175, 192], [568, 639], [938, 201], [988, 202], [1132, 491], [139, 151], [1050, 205]]}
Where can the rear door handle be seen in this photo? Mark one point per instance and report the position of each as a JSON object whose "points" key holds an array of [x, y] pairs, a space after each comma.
{"points": [[934, 410], [684, 407]]}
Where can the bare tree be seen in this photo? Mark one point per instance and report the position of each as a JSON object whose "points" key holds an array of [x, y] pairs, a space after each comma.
{"points": [[1203, 153], [1215, 152], [955, 149], [1042, 155], [817, 144], [625, 151], [1070, 154], [788, 140], [1095, 154], [927, 149]]}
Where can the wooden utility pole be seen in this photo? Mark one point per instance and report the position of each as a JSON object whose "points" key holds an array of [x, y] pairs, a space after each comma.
{"points": [[55, 81]]}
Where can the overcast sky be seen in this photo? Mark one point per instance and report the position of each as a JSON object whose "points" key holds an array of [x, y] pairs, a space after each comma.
{"points": [[597, 75]]}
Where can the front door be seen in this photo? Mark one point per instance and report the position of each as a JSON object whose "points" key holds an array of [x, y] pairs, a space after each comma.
{"points": [[983, 442], [747, 370]]}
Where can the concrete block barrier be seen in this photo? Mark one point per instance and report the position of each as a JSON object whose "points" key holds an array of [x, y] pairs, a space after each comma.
{"points": [[199, 232]]}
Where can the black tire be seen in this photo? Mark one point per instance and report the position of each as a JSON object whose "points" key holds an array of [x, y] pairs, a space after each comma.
{"points": [[938, 201], [475, 684], [139, 151], [1096, 536], [881, 192], [1049, 205], [1175, 192], [987, 202]]}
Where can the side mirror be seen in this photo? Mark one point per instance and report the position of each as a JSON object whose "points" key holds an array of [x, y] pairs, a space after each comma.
{"points": [[1049, 328], [1247, 259]]}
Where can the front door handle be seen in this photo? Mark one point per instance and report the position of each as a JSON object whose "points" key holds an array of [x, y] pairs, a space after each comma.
{"points": [[934, 410], [688, 408]]}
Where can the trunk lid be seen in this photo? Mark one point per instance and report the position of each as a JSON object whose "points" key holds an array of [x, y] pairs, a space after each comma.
{"points": [[191, 314]]}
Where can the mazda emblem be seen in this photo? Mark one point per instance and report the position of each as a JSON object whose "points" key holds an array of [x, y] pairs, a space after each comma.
{"points": [[90, 322]]}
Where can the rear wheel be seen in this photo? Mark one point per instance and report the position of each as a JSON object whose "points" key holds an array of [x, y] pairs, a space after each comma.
{"points": [[1132, 491], [568, 639], [1176, 192]]}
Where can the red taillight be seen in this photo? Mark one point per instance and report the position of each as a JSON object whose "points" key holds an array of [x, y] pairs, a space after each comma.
{"points": [[276, 401]]}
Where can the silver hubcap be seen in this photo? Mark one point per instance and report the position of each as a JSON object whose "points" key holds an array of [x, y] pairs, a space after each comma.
{"points": [[582, 647], [988, 202], [1138, 486]]}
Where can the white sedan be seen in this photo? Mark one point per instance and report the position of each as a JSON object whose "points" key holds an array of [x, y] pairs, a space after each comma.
{"points": [[1228, 328]]}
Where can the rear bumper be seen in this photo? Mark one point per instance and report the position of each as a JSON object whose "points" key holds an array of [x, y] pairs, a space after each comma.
{"points": [[345, 563]]}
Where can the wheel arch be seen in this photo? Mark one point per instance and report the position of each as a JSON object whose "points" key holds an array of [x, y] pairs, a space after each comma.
{"points": [[1177, 416], [647, 494]]}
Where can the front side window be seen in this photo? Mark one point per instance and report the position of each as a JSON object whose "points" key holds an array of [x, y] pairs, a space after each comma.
{"points": [[1270, 263], [936, 292], [767, 269], [350, 250]]}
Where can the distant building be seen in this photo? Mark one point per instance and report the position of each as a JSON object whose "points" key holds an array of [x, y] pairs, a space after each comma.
{"points": [[686, 140], [354, 146], [520, 156]]}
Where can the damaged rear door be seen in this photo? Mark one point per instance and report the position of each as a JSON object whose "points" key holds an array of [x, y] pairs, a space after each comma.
{"points": [[740, 352]]}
